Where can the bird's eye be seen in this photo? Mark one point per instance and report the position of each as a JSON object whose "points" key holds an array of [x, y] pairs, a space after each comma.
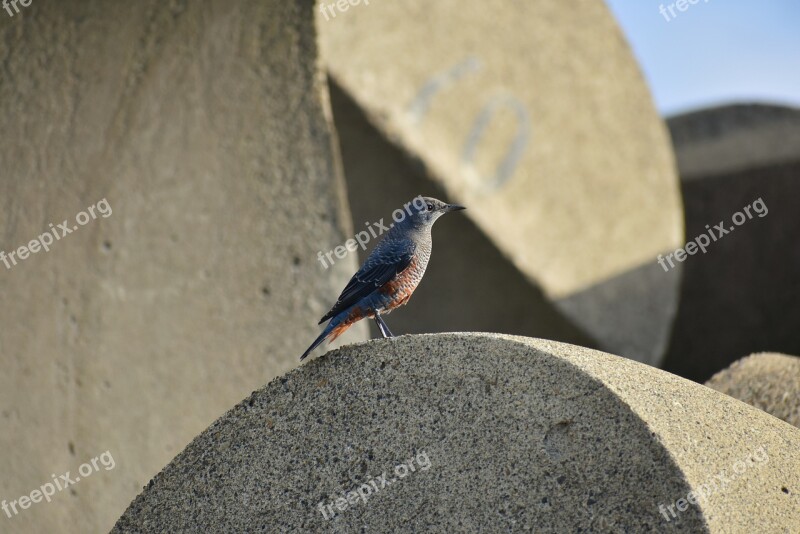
{"points": [[430, 207]]}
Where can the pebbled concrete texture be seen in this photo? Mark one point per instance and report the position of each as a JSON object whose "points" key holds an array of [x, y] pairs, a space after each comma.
{"points": [[768, 381], [517, 434], [206, 127], [562, 159]]}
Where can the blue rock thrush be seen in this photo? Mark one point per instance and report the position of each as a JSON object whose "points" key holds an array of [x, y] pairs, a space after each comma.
{"points": [[390, 274]]}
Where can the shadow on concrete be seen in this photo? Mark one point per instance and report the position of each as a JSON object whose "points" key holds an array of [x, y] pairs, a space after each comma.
{"points": [[469, 285], [743, 295]]}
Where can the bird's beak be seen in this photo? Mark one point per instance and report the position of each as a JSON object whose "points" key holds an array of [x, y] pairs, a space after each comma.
{"points": [[453, 207]]}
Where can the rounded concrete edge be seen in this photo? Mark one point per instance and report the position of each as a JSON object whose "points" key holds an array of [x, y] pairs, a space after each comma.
{"points": [[698, 444]]}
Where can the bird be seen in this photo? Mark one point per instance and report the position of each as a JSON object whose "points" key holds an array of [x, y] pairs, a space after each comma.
{"points": [[390, 274]]}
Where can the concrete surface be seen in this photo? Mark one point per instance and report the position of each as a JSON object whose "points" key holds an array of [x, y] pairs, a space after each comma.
{"points": [[734, 138], [534, 115], [742, 296], [770, 382], [504, 433], [205, 126]]}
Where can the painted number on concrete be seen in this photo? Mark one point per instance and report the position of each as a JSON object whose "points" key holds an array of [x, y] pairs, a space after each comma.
{"points": [[505, 169]]}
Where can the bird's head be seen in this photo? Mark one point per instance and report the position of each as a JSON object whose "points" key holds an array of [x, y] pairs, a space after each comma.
{"points": [[423, 211]]}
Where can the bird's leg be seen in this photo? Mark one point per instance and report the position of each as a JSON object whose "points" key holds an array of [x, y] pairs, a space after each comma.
{"points": [[382, 326]]}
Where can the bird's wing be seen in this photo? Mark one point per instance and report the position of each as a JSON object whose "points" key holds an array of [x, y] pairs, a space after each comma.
{"points": [[376, 271]]}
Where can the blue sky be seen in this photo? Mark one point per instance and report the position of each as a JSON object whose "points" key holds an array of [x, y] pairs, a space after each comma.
{"points": [[716, 52]]}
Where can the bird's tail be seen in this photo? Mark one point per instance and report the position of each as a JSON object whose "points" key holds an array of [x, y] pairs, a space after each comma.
{"points": [[333, 330], [317, 342]]}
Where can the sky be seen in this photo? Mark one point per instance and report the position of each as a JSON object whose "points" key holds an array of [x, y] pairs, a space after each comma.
{"points": [[716, 52]]}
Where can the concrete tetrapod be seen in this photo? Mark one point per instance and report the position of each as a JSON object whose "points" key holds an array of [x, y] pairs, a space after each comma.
{"points": [[742, 295], [725, 140], [533, 114], [479, 432], [205, 126], [767, 381]]}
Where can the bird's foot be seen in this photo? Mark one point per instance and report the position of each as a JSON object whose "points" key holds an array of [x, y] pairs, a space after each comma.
{"points": [[385, 332]]}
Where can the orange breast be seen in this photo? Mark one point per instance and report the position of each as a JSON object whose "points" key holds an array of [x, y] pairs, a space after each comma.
{"points": [[399, 289]]}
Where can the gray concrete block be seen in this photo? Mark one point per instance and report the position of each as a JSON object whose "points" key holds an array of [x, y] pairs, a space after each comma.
{"points": [[504, 434], [770, 382], [537, 118], [741, 296], [204, 126], [734, 138]]}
